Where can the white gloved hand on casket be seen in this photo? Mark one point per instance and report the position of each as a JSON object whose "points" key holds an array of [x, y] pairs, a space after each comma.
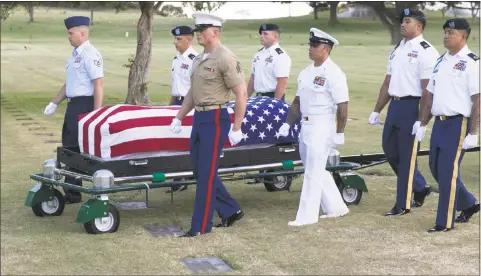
{"points": [[284, 130], [235, 137], [175, 126], [50, 109]]}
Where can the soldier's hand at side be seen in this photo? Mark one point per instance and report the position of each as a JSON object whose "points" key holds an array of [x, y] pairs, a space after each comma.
{"points": [[175, 126], [338, 139], [420, 132], [416, 125], [375, 118], [470, 141], [50, 109], [235, 137], [284, 130]]}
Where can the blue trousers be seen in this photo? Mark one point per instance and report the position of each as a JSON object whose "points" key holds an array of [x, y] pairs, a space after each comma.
{"points": [[209, 132], [445, 156], [401, 148], [178, 101]]}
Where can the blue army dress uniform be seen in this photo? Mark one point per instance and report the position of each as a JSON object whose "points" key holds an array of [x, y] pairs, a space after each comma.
{"points": [[454, 81], [82, 68], [409, 62], [213, 76]]}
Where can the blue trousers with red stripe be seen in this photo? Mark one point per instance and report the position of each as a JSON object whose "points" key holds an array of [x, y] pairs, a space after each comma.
{"points": [[398, 144], [445, 156], [209, 132]]}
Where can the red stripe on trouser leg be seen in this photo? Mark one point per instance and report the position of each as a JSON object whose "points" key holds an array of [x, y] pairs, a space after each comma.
{"points": [[212, 171]]}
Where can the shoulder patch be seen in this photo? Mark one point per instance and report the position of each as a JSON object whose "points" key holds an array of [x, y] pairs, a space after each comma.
{"points": [[191, 56], [425, 44], [473, 56], [279, 51]]}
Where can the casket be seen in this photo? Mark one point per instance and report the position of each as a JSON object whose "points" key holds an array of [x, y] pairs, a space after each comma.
{"points": [[121, 130]]}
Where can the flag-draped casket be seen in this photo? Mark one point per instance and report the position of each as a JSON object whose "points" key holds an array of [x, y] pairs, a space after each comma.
{"points": [[118, 130]]}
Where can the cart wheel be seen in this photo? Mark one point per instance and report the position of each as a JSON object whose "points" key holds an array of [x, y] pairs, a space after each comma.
{"points": [[104, 225], [53, 207], [277, 183], [349, 195]]}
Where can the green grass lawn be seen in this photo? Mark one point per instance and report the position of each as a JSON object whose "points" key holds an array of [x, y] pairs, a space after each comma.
{"points": [[363, 242]]}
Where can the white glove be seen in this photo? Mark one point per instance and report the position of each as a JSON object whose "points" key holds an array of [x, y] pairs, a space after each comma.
{"points": [[375, 118], [284, 130], [470, 141], [416, 125], [421, 130], [235, 137], [175, 126], [50, 109], [339, 139]]}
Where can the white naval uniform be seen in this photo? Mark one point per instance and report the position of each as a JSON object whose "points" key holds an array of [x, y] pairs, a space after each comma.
{"points": [[82, 68], [455, 79], [181, 71], [320, 89], [409, 63], [268, 65]]}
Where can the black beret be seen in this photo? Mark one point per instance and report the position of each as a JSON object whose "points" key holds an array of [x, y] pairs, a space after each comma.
{"points": [[268, 27], [76, 21], [458, 24], [419, 15], [182, 30]]}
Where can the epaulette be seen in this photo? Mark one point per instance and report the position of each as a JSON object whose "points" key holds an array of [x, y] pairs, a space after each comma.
{"points": [[191, 56], [260, 49], [175, 57], [425, 44], [279, 51], [396, 46], [441, 56], [473, 56]]}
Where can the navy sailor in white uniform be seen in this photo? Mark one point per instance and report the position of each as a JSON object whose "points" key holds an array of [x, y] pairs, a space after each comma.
{"points": [[409, 68], [453, 100], [83, 88]]}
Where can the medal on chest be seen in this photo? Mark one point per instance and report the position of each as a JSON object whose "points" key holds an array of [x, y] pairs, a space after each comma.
{"points": [[412, 56], [318, 80], [77, 59], [460, 66], [268, 60]]}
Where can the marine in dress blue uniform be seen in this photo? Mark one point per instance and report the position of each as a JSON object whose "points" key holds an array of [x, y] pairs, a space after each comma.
{"points": [[216, 72], [409, 67], [83, 88], [453, 100]]}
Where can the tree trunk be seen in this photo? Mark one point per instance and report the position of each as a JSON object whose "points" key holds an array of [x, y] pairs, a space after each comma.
{"points": [[315, 13], [333, 13], [30, 13], [138, 74], [91, 13]]}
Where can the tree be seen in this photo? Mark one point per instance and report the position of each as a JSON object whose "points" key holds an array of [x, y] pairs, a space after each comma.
{"points": [[6, 9], [390, 16], [139, 68], [317, 7], [204, 6], [333, 13], [170, 10], [30, 7]]}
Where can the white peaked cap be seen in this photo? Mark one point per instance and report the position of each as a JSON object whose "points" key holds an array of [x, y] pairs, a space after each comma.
{"points": [[318, 36], [204, 20]]}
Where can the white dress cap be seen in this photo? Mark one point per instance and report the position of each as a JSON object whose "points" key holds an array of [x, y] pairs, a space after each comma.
{"points": [[318, 36], [204, 20]]}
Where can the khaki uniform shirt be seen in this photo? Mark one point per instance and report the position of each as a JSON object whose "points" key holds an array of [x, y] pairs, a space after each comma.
{"points": [[213, 77]]}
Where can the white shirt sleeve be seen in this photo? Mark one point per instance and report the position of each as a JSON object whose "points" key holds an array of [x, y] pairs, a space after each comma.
{"points": [[299, 85], [338, 88], [282, 67], [94, 65], [430, 86], [428, 60], [473, 78], [389, 63]]}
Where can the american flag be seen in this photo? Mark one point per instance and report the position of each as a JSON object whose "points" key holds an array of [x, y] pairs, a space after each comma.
{"points": [[118, 130], [264, 116]]}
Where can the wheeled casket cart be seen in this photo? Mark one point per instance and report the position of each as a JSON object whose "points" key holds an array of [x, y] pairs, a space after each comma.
{"points": [[127, 148]]}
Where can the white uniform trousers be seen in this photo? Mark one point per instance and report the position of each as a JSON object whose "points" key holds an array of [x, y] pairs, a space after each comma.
{"points": [[319, 189]]}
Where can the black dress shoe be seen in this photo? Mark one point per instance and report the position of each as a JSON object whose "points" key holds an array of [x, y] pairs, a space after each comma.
{"points": [[466, 214], [230, 220], [420, 196], [438, 228], [395, 211], [190, 234]]}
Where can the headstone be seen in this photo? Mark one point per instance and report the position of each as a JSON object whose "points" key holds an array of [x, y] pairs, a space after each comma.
{"points": [[206, 265], [164, 231]]}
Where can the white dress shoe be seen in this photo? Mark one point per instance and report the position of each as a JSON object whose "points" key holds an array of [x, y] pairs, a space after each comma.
{"points": [[333, 215], [298, 223]]}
